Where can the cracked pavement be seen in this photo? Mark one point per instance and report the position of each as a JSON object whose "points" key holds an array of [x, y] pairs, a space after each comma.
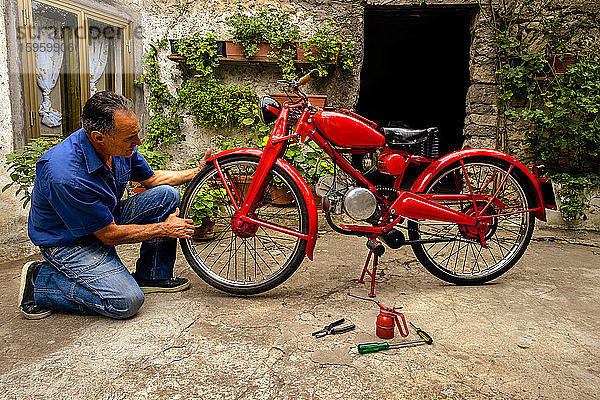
{"points": [[533, 333]]}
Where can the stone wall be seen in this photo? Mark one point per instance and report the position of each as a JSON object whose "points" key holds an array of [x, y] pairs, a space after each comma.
{"points": [[482, 128], [160, 18], [166, 21]]}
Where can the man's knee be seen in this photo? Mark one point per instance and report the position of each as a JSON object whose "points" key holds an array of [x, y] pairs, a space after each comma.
{"points": [[171, 195], [127, 305]]}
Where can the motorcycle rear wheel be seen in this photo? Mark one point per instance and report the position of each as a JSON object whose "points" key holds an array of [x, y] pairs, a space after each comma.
{"points": [[256, 259], [461, 259]]}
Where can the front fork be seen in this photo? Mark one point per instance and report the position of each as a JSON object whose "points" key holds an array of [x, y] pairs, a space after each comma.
{"points": [[274, 149], [244, 206]]}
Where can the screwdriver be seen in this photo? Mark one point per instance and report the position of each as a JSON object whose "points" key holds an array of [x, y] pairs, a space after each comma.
{"points": [[422, 333], [365, 348]]}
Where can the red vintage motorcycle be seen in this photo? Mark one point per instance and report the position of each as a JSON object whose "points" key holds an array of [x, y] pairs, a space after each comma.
{"points": [[468, 216]]}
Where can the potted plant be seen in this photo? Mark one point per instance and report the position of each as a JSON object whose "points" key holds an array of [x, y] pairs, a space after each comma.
{"points": [[248, 32], [560, 62], [316, 100], [308, 160], [206, 204], [327, 46], [265, 35]]}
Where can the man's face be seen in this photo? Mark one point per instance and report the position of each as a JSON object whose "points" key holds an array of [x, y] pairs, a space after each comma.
{"points": [[125, 136]]}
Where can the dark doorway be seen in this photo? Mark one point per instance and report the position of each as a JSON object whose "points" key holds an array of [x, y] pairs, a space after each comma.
{"points": [[416, 70]]}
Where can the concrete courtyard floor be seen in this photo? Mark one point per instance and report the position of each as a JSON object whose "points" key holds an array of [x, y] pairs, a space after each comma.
{"points": [[534, 333]]}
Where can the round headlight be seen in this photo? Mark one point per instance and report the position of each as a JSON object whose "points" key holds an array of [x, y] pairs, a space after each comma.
{"points": [[268, 109]]}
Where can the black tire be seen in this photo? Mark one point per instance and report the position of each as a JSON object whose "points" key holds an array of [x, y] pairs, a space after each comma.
{"points": [[259, 261], [477, 264]]}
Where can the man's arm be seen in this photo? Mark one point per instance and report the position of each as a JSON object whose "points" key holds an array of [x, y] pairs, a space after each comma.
{"points": [[173, 227], [174, 178]]}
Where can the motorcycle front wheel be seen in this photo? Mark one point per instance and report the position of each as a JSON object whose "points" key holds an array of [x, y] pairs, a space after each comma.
{"points": [[250, 259], [459, 256]]}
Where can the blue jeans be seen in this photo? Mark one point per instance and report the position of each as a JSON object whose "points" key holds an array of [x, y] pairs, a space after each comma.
{"points": [[89, 278]]}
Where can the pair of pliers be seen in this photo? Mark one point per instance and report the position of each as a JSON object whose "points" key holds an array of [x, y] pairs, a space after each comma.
{"points": [[330, 330]]}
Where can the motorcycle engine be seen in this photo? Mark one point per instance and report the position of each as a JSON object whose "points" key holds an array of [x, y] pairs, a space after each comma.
{"points": [[359, 203]]}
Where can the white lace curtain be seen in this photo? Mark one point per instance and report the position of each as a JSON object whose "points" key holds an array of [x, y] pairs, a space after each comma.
{"points": [[98, 57], [48, 61]]}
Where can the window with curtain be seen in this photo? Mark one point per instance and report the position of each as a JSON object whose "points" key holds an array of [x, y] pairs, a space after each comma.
{"points": [[70, 52]]}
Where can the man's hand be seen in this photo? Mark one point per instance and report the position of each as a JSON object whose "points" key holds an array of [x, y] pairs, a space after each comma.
{"points": [[202, 164], [178, 228], [175, 178], [173, 227]]}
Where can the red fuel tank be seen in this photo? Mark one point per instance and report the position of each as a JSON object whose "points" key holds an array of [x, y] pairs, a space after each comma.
{"points": [[346, 131]]}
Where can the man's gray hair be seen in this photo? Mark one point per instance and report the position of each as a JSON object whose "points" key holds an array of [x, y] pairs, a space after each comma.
{"points": [[99, 111]]}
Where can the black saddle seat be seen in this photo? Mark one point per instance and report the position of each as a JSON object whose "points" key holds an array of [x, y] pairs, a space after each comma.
{"points": [[403, 136]]}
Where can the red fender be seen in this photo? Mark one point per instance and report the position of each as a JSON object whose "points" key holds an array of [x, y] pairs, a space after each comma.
{"points": [[533, 185], [313, 223]]}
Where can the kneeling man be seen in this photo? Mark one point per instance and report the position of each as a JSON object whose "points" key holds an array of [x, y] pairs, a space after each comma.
{"points": [[77, 217]]}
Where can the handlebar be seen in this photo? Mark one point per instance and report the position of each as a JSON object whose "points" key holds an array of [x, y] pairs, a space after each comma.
{"points": [[295, 83], [314, 74]]}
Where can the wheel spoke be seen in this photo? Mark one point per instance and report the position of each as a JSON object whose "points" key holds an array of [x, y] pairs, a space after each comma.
{"points": [[267, 246], [505, 236]]}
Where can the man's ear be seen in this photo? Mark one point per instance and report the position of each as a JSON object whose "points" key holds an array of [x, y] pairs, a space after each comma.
{"points": [[97, 136]]}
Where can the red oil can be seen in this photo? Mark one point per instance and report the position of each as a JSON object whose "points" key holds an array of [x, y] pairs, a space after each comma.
{"points": [[387, 321]]}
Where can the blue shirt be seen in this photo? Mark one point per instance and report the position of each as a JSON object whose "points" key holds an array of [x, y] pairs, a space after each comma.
{"points": [[75, 194]]}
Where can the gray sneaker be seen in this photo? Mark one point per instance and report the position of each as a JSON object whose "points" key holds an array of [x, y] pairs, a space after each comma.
{"points": [[26, 301]]}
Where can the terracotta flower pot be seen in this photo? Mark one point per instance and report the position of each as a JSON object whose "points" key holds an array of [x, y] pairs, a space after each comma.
{"points": [[242, 182], [234, 50], [561, 62], [316, 100], [205, 231], [137, 187], [281, 197], [301, 56], [318, 199]]}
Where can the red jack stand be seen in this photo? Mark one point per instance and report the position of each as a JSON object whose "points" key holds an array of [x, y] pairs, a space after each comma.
{"points": [[376, 249], [370, 273]]}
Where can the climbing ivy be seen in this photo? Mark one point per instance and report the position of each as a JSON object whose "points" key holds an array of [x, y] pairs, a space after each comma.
{"points": [[164, 125], [562, 110], [217, 105], [200, 54], [565, 113]]}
